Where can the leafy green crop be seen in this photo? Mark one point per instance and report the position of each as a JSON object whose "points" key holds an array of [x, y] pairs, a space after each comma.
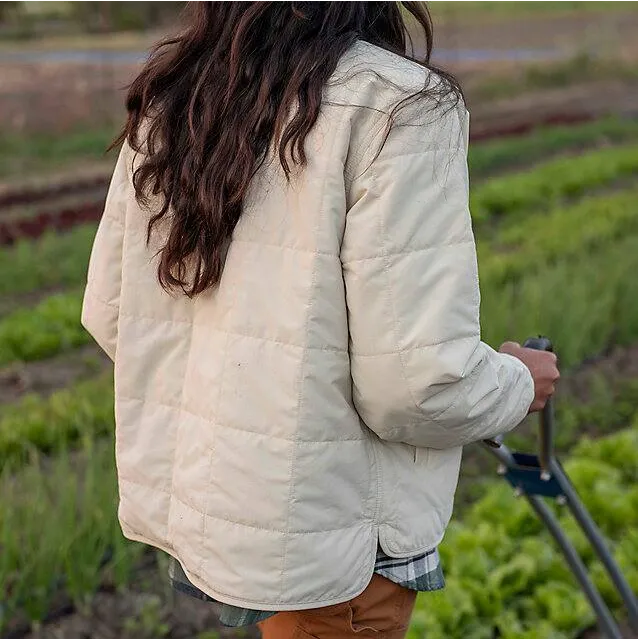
{"points": [[544, 186], [47, 329], [54, 260], [46, 425], [487, 158], [505, 576], [585, 304], [564, 233], [59, 532]]}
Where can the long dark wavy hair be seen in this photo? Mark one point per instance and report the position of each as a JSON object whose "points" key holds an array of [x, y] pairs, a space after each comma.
{"points": [[211, 102]]}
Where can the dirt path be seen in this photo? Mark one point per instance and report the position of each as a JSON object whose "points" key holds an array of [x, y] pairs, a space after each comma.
{"points": [[46, 376], [148, 613], [603, 33]]}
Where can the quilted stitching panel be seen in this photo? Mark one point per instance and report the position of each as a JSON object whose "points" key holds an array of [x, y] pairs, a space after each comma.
{"points": [[146, 435], [196, 438], [204, 374], [340, 565], [157, 372], [441, 303], [327, 413], [144, 509], [233, 493], [252, 581], [265, 279], [261, 386], [341, 498]]}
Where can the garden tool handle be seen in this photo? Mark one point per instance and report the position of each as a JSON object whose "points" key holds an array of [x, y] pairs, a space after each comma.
{"points": [[546, 453], [546, 417]]}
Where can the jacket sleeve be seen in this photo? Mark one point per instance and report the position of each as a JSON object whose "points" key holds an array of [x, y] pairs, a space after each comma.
{"points": [[100, 309], [421, 374]]}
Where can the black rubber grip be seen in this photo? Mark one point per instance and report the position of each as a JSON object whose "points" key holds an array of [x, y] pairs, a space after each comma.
{"points": [[541, 344]]}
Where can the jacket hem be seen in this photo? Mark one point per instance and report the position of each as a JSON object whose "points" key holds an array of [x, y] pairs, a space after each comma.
{"points": [[225, 598], [396, 550]]}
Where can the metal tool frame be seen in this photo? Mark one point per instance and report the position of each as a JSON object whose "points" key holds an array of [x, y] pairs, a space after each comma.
{"points": [[541, 476]]}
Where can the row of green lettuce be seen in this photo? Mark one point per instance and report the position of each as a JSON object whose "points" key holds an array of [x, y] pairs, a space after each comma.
{"points": [[504, 576], [505, 154], [516, 195]]}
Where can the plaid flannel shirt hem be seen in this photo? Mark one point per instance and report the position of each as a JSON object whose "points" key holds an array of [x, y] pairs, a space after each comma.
{"points": [[419, 573]]}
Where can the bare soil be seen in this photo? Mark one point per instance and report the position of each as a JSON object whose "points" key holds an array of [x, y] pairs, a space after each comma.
{"points": [[46, 376], [150, 608], [121, 615], [621, 363], [609, 33], [595, 632]]}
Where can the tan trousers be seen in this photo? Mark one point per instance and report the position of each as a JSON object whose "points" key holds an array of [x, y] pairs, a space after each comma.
{"points": [[383, 610]]}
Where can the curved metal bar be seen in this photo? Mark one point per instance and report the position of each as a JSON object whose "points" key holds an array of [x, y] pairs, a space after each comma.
{"points": [[597, 541]]}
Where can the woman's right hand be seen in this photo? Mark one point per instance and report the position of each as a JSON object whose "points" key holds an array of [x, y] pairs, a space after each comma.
{"points": [[543, 366]]}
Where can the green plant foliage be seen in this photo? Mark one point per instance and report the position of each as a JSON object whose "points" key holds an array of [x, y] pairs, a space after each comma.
{"points": [[44, 151], [505, 576], [585, 304], [49, 328], [564, 233], [544, 186], [54, 260], [59, 530], [47, 425], [488, 158]]}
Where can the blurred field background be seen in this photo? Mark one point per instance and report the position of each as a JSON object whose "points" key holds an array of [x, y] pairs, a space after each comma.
{"points": [[553, 92]]}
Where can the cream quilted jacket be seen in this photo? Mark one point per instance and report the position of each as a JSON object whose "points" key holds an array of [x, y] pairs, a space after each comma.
{"points": [[271, 431]]}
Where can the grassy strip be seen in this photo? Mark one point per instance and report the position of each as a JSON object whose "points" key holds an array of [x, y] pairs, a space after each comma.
{"points": [[59, 529], [20, 153], [47, 329], [505, 576], [62, 260], [508, 153], [557, 74], [585, 305], [547, 184], [564, 233]]}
